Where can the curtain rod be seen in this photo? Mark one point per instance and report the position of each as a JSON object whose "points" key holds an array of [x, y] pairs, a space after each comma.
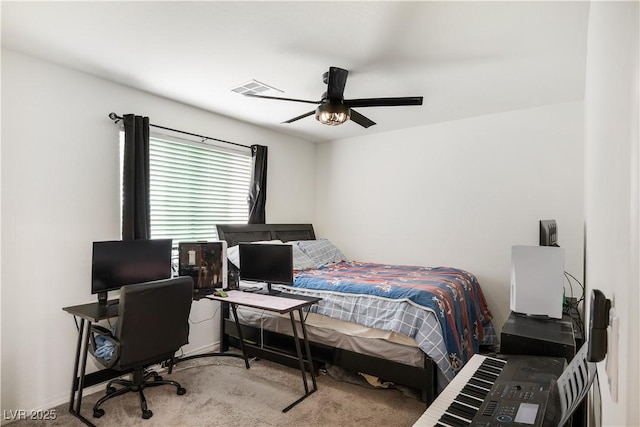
{"points": [[116, 118]]}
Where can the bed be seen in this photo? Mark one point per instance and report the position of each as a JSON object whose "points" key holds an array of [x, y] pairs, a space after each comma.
{"points": [[407, 325]]}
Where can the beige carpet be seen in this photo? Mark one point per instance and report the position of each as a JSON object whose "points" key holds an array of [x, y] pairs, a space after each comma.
{"points": [[221, 392]]}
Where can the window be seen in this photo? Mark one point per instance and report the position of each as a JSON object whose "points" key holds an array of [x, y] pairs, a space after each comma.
{"points": [[194, 186]]}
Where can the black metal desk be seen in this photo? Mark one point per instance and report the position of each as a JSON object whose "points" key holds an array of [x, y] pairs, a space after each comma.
{"points": [[88, 314], [94, 312], [281, 304]]}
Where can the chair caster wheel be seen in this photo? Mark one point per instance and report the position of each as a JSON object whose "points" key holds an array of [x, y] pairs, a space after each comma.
{"points": [[147, 414], [157, 378], [181, 391], [111, 390], [97, 413]]}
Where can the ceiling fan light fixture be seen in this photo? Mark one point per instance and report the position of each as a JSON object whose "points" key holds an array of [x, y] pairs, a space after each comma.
{"points": [[332, 113]]}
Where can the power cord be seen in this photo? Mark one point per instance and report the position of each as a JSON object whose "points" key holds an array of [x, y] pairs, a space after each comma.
{"points": [[208, 319], [573, 307], [569, 275]]}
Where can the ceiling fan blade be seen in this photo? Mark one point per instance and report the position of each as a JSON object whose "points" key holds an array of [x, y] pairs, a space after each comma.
{"points": [[361, 120], [253, 95], [300, 117], [384, 102], [336, 80]]}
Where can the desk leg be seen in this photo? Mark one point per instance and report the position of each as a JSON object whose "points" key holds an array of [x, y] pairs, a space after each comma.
{"points": [[307, 348], [81, 363], [301, 359], [244, 352], [76, 364]]}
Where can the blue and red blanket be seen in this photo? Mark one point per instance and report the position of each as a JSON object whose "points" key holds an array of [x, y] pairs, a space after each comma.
{"points": [[400, 295]]}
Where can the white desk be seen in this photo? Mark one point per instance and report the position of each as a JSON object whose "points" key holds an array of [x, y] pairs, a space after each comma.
{"points": [[283, 303]]}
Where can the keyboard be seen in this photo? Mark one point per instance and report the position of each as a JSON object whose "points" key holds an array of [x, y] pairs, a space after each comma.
{"points": [[491, 392], [462, 398]]}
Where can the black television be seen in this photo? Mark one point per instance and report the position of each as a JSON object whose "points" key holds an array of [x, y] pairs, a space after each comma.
{"points": [[116, 263], [267, 263]]}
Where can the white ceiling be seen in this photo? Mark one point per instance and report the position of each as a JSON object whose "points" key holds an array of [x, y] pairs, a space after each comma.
{"points": [[466, 58]]}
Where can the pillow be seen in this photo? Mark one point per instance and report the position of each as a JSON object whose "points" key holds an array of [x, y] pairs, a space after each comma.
{"points": [[233, 253], [301, 261], [321, 251]]}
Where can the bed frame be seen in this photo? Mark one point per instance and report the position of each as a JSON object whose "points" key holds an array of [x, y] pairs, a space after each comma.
{"points": [[423, 379]]}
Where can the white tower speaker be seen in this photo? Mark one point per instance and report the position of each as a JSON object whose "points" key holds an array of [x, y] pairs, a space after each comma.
{"points": [[537, 276]]}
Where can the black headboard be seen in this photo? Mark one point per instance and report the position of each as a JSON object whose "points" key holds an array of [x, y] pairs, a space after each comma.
{"points": [[237, 233]]}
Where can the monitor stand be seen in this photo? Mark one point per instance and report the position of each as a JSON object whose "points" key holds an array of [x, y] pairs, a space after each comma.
{"points": [[102, 298], [268, 291]]}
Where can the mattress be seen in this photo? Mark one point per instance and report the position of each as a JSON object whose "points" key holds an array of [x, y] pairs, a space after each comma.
{"points": [[337, 333]]}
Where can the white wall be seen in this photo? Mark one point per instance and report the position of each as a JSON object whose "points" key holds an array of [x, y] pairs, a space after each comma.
{"points": [[458, 194], [612, 181], [60, 193]]}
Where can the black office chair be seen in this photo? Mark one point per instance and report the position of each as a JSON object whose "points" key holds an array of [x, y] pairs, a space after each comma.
{"points": [[152, 325]]}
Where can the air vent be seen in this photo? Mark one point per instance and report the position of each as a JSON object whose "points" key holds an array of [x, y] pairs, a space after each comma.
{"points": [[255, 87]]}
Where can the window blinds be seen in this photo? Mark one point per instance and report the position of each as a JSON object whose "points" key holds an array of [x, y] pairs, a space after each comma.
{"points": [[194, 186]]}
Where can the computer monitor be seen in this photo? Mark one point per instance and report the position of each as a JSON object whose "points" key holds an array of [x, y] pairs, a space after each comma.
{"points": [[117, 263], [267, 263], [206, 263], [548, 232]]}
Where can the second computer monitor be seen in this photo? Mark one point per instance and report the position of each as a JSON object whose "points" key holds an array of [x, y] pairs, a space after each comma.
{"points": [[266, 263]]}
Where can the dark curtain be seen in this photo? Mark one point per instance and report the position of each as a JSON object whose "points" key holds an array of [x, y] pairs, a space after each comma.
{"points": [[258, 189], [136, 221]]}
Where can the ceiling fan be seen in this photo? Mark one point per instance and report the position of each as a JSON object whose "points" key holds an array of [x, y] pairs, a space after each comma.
{"points": [[333, 109]]}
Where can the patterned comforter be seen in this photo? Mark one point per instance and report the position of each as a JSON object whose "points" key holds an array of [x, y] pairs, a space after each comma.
{"points": [[442, 308]]}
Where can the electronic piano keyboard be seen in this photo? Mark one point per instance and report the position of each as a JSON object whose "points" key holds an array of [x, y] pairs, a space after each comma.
{"points": [[496, 392]]}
